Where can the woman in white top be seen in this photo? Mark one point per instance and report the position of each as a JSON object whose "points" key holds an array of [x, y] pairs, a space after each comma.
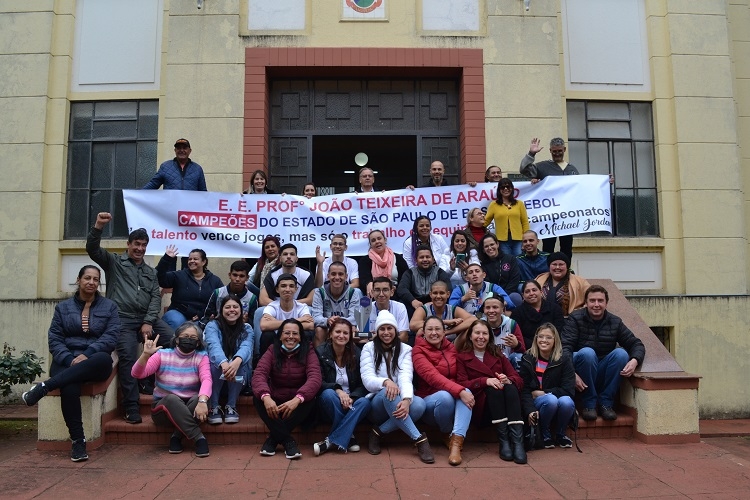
{"points": [[459, 256], [421, 234], [387, 374]]}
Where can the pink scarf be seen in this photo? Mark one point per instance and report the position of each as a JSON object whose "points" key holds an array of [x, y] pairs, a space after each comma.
{"points": [[382, 266]]}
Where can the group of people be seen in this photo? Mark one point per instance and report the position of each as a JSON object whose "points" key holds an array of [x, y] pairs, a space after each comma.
{"points": [[474, 330]]}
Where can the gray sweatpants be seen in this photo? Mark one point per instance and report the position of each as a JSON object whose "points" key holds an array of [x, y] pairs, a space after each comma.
{"points": [[173, 411]]}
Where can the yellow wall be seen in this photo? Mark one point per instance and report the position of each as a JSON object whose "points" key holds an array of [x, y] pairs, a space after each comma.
{"points": [[700, 69]]}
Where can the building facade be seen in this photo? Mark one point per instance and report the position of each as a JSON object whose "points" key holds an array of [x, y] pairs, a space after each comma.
{"points": [[654, 92]]}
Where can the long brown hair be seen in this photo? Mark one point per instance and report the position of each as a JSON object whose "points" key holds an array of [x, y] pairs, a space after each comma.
{"points": [[464, 344], [348, 358]]}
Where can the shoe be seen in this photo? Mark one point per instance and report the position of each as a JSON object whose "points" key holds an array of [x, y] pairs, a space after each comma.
{"points": [[133, 416], [423, 449], [291, 451], [353, 445], [175, 443], [457, 444], [564, 442], [230, 415], [588, 414], [515, 433], [33, 395], [321, 447], [373, 443], [608, 413], [548, 443], [201, 448], [215, 415], [145, 387], [269, 448], [246, 390], [502, 437], [78, 452]]}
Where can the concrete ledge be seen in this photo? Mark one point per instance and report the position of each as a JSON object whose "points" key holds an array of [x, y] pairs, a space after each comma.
{"points": [[98, 404], [664, 381]]}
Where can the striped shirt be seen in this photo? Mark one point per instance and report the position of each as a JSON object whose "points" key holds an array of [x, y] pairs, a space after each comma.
{"points": [[184, 375], [541, 366]]}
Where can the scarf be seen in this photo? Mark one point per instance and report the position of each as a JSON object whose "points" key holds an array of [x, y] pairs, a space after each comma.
{"points": [[267, 268], [562, 294], [382, 266]]}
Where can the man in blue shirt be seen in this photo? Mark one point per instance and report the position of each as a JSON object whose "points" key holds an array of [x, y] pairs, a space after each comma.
{"points": [[180, 172], [531, 262]]}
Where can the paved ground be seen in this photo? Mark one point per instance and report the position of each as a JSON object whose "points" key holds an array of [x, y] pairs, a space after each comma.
{"points": [[717, 468]]}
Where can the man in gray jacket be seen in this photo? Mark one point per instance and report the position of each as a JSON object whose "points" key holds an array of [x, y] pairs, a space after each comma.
{"points": [[133, 286]]}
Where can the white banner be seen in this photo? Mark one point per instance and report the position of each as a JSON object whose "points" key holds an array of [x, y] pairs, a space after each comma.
{"points": [[234, 225]]}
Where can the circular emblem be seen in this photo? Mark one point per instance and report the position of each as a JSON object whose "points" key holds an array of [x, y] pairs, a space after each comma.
{"points": [[364, 6]]}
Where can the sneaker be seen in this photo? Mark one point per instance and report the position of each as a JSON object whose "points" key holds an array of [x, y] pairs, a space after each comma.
{"points": [[321, 447], [133, 416], [215, 415], [78, 452], [230, 415], [548, 443], [353, 445], [269, 448], [564, 442], [291, 450], [175, 443], [145, 387], [608, 413], [201, 448], [33, 395], [588, 414]]}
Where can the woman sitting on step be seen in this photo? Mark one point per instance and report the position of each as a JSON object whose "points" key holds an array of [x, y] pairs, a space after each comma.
{"points": [[81, 339]]}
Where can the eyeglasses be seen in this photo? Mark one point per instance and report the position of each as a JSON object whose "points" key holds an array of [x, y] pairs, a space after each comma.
{"points": [[380, 291]]}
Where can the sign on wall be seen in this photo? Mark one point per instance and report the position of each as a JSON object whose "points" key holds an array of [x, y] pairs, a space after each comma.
{"points": [[364, 10], [234, 225]]}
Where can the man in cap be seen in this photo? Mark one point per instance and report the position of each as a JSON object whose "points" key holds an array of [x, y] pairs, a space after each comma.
{"points": [[180, 172]]}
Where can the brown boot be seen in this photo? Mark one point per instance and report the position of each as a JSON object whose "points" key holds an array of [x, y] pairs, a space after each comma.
{"points": [[457, 444], [423, 449]]}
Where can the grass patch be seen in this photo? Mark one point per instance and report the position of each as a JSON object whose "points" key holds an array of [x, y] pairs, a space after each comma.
{"points": [[10, 428]]}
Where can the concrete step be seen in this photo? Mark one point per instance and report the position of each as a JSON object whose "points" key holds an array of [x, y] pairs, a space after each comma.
{"points": [[251, 430]]}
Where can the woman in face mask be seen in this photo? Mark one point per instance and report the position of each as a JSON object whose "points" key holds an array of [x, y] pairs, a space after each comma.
{"points": [[285, 384], [183, 385]]}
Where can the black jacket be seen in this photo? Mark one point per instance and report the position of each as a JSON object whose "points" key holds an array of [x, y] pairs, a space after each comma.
{"points": [[328, 369], [188, 296], [503, 271], [581, 331], [559, 379], [529, 319]]}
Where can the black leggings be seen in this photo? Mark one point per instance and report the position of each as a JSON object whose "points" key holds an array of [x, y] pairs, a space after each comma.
{"points": [[503, 403], [281, 429], [69, 380], [566, 245]]}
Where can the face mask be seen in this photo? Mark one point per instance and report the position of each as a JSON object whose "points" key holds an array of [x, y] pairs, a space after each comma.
{"points": [[187, 345], [286, 349]]}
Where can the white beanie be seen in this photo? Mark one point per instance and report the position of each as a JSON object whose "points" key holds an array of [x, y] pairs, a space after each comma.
{"points": [[385, 318]]}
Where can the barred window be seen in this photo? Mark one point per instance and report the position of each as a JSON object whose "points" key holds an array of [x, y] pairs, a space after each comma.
{"points": [[111, 146], [618, 138]]}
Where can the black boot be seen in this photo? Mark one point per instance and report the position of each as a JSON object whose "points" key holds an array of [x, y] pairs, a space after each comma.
{"points": [[515, 430], [502, 436]]}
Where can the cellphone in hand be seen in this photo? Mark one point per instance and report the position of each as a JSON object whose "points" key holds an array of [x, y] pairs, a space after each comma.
{"points": [[460, 257]]}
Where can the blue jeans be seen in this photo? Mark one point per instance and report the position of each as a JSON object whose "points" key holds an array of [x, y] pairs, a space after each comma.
{"points": [[233, 388], [515, 360], [174, 318], [344, 421], [602, 376], [510, 247], [256, 329], [550, 405], [381, 414], [446, 413]]}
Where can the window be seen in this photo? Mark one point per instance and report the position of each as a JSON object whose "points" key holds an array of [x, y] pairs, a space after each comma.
{"points": [[617, 138], [111, 147]]}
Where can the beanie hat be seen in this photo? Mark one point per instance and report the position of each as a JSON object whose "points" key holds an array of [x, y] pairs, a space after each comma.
{"points": [[385, 318], [558, 256]]}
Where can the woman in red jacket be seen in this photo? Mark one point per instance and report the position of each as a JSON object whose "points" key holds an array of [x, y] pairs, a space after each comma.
{"points": [[484, 369], [448, 404], [284, 384]]}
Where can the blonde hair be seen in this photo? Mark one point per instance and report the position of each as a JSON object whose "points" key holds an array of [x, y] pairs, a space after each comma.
{"points": [[556, 349]]}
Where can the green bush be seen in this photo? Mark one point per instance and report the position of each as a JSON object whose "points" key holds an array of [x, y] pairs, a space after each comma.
{"points": [[21, 370]]}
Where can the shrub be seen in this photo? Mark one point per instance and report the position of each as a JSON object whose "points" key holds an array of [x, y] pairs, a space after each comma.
{"points": [[21, 370]]}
